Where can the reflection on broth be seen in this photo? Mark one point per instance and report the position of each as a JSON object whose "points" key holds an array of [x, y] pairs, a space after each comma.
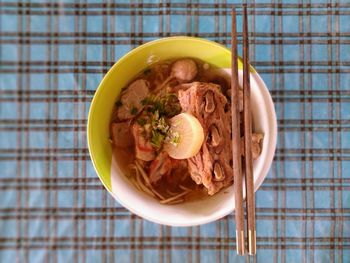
{"points": [[171, 131]]}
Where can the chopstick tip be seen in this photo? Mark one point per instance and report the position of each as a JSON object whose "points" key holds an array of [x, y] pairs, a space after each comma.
{"points": [[252, 242], [240, 242]]}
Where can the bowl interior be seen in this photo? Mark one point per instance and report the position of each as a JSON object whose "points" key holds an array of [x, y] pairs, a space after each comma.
{"points": [[108, 170]]}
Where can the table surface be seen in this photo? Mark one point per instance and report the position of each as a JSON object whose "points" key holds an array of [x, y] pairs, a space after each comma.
{"points": [[53, 207]]}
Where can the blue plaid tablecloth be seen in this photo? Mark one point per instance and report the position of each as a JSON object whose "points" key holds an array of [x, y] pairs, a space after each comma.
{"points": [[53, 207]]}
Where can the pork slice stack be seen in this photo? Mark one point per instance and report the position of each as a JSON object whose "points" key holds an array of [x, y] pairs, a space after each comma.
{"points": [[211, 166]]}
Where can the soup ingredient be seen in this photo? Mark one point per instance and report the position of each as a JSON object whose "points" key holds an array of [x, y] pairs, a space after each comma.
{"points": [[121, 135], [184, 70], [130, 104], [214, 138], [257, 139], [167, 104], [159, 167], [143, 147], [218, 173], [185, 136], [211, 165], [153, 121], [209, 102]]}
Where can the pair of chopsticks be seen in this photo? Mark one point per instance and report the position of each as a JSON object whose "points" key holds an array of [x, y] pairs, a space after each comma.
{"points": [[236, 152]]}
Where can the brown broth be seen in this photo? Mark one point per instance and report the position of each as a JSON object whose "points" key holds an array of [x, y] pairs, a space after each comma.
{"points": [[126, 156]]}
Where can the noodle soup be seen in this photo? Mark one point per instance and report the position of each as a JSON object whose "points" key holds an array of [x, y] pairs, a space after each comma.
{"points": [[170, 131]]}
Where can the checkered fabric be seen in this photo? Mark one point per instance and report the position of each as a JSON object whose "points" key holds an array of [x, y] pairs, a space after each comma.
{"points": [[53, 207]]}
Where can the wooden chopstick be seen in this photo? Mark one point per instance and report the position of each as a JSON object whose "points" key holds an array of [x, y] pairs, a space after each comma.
{"points": [[236, 137], [248, 163]]}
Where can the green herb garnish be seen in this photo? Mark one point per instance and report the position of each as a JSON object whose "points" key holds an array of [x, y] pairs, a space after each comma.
{"points": [[141, 121], [118, 103], [144, 101], [167, 105], [133, 111], [157, 139], [159, 109], [147, 71]]}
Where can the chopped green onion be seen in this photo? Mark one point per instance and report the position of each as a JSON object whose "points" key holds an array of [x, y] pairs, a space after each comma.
{"points": [[118, 103], [133, 111], [141, 121], [147, 71], [157, 139], [144, 101]]}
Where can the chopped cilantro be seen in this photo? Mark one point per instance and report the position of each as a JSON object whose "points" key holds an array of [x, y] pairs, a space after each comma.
{"points": [[171, 106], [147, 71], [118, 103], [141, 121], [166, 105], [144, 101], [159, 109], [133, 111], [156, 115], [159, 106], [157, 139]]}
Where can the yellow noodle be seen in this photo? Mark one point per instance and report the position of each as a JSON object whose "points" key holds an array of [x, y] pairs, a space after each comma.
{"points": [[133, 181], [138, 182], [143, 173], [148, 183], [134, 176], [166, 201], [178, 201], [137, 173], [157, 193], [146, 190], [143, 187], [171, 193], [185, 188], [132, 167]]}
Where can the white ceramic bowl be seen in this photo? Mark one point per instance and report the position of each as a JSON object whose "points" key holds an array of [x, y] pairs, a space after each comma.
{"points": [[200, 211]]}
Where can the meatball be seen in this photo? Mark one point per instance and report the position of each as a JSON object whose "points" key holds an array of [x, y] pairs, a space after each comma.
{"points": [[184, 70]]}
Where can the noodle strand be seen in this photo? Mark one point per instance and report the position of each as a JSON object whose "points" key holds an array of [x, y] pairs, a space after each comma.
{"points": [[166, 201], [146, 179]]}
